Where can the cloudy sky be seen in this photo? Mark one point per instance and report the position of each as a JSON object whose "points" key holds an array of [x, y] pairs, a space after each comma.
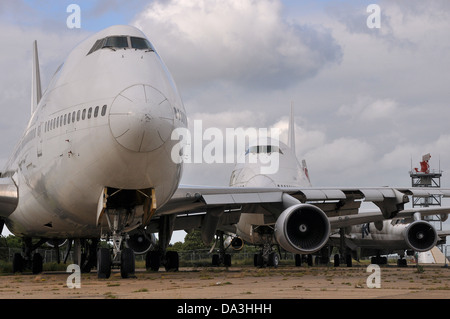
{"points": [[367, 100]]}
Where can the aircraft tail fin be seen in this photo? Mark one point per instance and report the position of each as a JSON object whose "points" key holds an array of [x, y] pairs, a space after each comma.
{"points": [[291, 132], [36, 90], [305, 170]]}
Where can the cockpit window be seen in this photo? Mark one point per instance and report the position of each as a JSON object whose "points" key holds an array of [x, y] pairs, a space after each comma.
{"points": [[119, 42], [116, 42], [264, 149], [141, 44]]}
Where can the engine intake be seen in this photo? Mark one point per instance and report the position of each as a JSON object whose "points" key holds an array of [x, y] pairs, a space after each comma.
{"points": [[421, 236], [302, 229], [236, 243], [140, 241]]}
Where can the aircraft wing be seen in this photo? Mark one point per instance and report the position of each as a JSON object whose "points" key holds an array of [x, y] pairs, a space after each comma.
{"points": [[443, 233], [192, 203], [375, 216]]}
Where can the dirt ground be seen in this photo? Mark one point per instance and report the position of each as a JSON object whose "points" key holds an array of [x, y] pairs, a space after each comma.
{"points": [[237, 283]]}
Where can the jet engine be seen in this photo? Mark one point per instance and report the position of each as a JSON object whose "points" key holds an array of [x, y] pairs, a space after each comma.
{"points": [[236, 243], [140, 241], [302, 229], [420, 236]]}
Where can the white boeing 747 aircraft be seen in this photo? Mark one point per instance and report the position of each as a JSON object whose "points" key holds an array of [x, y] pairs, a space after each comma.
{"points": [[95, 162], [407, 232]]}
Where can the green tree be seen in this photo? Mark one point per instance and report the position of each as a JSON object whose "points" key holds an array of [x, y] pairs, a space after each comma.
{"points": [[193, 241]]}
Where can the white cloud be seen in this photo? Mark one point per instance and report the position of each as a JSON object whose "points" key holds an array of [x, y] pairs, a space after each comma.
{"points": [[368, 109], [340, 155], [15, 84], [246, 42]]}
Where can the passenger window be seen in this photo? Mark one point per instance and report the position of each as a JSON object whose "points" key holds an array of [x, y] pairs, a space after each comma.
{"points": [[103, 110], [84, 115], [78, 115], [65, 119], [96, 111], [68, 119], [73, 117], [61, 120], [89, 112]]}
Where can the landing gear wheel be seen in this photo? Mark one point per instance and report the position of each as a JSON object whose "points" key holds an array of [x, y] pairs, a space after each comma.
{"points": [[215, 260], [172, 261], [18, 263], [309, 260], [402, 262], [337, 260], [348, 260], [227, 260], [127, 263], [103, 263], [298, 260], [37, 264], [153, 260], [274, 260], [258, 260]]}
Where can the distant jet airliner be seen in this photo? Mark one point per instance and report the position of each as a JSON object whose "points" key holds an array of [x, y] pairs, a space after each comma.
{"points": [[95, 162]]}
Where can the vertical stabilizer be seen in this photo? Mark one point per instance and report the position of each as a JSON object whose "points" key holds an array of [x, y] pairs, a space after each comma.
{"points": [[291, 132], [36, 91]]}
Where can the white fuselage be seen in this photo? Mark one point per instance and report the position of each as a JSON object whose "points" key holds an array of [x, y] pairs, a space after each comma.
{"points": [[389, 235], [104, 121], [247, 174]]}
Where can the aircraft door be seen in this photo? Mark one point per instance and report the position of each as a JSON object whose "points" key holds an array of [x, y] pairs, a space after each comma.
{"points": [[39, 143]]}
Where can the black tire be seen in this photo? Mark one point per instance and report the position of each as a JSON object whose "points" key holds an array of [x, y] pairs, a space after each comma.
{"points": [[103, 263], [227, 260], [298, 260], [274, 260], [259, 260], [215, 260], [153, 260], [18, 263], [309, 259], [172, 261], [37, 264], [337, 260], [127, 263], [348, 260]]}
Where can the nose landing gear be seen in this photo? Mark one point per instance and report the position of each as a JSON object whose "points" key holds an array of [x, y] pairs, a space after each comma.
{"points": [[118, 220]]}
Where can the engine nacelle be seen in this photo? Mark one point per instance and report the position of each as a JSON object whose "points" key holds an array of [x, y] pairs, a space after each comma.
{"points": [[420, 236], [302, 229], [140, 241], [236, 243]]}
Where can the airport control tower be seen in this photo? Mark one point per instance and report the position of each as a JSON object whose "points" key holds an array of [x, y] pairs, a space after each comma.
{"points": [[426, 177]]}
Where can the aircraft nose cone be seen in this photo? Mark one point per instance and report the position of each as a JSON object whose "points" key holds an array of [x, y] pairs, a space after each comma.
{"points": [[141, 118]]}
